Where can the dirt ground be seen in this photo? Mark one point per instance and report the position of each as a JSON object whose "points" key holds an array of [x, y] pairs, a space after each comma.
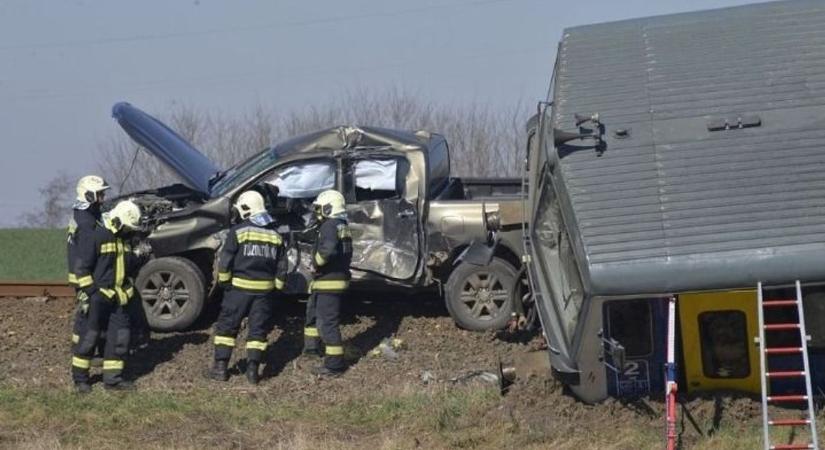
{"points": [[34, 350]]}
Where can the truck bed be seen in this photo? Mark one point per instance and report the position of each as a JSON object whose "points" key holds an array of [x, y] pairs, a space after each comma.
{"points": [[480, 188]]}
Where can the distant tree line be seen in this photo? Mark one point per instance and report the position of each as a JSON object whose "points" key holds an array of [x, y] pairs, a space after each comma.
{"points": [[484, 141]]}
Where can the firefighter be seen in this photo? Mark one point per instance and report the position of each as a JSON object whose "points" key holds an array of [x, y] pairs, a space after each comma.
{"points": [[331, 261], [107, 261], [85, 216], [252, 266]]}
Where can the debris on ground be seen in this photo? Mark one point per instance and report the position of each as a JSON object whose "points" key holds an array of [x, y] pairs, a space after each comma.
{"points": [[428, 377], [484, 376], [387, 348]]}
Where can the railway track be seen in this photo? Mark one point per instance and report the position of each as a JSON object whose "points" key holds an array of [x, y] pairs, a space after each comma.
{"points": [[35, 289]]}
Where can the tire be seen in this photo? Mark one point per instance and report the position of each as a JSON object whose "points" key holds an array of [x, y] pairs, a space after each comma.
{"points": [[471, 300], [173, 292]]}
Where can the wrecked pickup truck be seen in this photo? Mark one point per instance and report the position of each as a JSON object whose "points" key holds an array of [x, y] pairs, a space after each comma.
{"points": [[412, 223]]}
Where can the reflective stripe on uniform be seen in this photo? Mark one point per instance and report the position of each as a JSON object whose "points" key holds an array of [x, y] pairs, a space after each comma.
{"points": [[319, 260], [265, 236], [279, 284], [257, 285], [311, 332], [344, 232], [256, 345], [81, 363], [328, 285], [223, 277], [225, 340], [75, 338], [108, 247], [112, 364], [123, 295], [85, 281], [335, 350], [120, 272]]}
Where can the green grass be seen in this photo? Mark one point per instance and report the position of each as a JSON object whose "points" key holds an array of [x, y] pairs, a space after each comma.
{"points": [[207, 418], [391, 418], [32, 255]]}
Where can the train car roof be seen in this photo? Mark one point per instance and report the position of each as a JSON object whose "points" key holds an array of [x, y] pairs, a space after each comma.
{"points": [[711, 170]]}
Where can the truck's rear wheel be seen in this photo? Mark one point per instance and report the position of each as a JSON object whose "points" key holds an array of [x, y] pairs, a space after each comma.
{"points": [[481, 297], [173, 291]]}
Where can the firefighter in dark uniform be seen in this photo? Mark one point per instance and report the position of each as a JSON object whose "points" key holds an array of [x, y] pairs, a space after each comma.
{"points": [[252, 267], [108, 262], [85, 217], [331, 256]]}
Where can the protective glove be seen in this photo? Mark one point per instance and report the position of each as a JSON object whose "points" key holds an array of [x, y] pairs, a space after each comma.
{"points": [[83, 302], [143, 250]]}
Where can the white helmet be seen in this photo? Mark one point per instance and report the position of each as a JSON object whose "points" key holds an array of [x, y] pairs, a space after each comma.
{"points": [[125, 214], [89, 188], [250, 203], [330, 203]]}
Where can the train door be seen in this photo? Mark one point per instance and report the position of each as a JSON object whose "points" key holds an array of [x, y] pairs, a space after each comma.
{"points": [[636, 329], [718, 330]]}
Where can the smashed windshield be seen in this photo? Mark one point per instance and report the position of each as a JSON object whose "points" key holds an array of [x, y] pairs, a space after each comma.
{"points": [[226, 181]]}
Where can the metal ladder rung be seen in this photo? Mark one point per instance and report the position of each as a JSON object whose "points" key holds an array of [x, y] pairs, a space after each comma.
{"points": [[785, 374], [783, 350], [787, 398], [791, 446], [789, 422], [778, 303], [781, 326]]}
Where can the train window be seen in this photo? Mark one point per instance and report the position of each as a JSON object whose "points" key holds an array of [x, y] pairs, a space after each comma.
{"points": [[724, 341], [629, 323]]}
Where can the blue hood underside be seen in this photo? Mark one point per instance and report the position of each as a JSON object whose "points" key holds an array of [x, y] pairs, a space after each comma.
{"points": [[173, 150]]}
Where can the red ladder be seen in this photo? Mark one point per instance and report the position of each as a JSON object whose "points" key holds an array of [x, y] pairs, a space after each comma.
{"points": [[767, 375]]}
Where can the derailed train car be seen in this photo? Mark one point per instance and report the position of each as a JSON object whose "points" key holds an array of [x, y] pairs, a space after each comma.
{"points": [[680, 156]]}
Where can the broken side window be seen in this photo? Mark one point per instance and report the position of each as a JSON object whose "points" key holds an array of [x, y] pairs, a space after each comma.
{"points": [[377, 179]]}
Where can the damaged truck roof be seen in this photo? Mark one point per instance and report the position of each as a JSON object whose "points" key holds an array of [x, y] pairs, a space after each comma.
{"points": [[712, 171]]}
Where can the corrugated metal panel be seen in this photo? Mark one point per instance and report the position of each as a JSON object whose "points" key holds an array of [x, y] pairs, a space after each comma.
{"points": [[675, 197]]}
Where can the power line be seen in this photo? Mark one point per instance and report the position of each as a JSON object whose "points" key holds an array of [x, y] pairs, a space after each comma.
{"points": [[251, 28]]}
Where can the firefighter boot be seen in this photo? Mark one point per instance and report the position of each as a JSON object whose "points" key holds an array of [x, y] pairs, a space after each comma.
{"points": [[219, 371], [325, 372], [252, 374], [120, 386], [82, 387]]}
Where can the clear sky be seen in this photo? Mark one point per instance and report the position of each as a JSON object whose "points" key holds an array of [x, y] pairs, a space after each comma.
{"points": [[64, 63]]}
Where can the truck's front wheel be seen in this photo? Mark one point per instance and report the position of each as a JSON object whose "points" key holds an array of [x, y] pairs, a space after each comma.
{"points": [[481, 297], [172, 290]]}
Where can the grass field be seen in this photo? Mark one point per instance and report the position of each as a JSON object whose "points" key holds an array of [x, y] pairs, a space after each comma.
{"points": [[32, 254], [385, 419]]}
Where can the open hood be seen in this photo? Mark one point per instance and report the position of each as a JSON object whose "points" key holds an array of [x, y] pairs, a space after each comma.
{"points": [[173, 150]]}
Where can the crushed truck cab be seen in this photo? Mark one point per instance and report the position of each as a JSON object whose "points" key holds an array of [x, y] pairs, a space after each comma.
{"points": [[411, 221]]}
